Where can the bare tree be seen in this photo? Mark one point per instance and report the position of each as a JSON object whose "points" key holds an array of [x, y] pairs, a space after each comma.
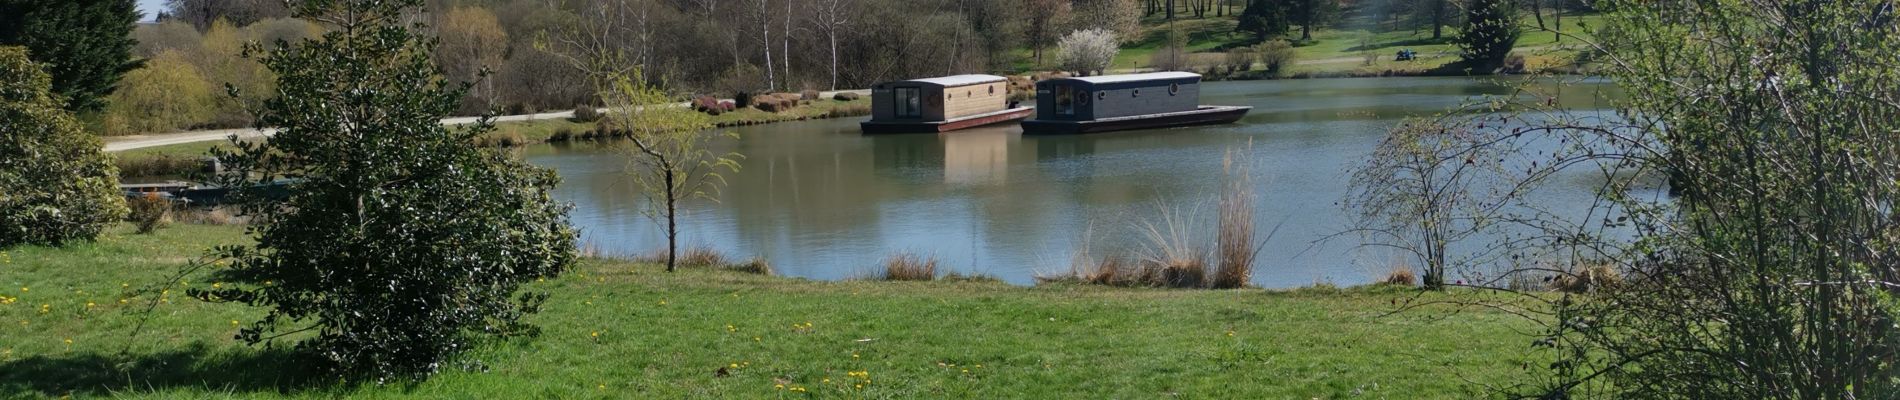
{"points": [[830, 16], [668, 146], [762, 17], [1044, 19]]}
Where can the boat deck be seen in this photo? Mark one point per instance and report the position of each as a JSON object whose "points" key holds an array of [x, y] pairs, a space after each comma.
{"points": [[1206, 115], [877, 127]]}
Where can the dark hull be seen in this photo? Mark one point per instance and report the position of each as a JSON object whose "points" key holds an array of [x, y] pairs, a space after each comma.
{"points": [[877, 127], [1206, 115]]}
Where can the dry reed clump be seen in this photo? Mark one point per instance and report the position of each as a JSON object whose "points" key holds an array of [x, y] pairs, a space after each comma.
{"points": [[1588, 279], [848, 110], [756, 265], [1400, 275], [1235, 245], [161, 165], [692, 256], [907, 266], [207, 216]]}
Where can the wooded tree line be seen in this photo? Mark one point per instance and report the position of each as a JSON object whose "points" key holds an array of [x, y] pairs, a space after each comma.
{"points": [[550, 54]]}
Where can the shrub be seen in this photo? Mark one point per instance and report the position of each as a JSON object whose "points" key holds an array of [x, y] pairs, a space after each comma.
{"points": [[808, 95], [845, 96], [55, 184], [849, 110], [158, 165], [1513, 64], [907, 266], [1276, 56], [586, 113], [1241, 58], [742, 99], [398, 285], [149, 211]]}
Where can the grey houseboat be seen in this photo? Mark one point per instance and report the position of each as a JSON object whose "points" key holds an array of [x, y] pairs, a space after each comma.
{"points": [[1121, 102], [941, 104]]}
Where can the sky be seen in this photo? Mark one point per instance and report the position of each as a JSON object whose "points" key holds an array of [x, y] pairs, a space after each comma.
{"points": [[151, 8]]}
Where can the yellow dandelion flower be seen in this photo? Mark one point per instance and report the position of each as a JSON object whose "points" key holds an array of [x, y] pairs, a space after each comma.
{"points": [[89, 305], [123, 301], [24, 289], [123, 285], [596, 335], [217, 285], [779, 387], [69, 341], [234, 323], [827, 380], [663, 302], [602, 386], [733, 366], [755, 338], [859, 386]]}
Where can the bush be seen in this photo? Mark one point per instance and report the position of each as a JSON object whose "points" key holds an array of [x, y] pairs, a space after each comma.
{"points": [[55, 184], [586, 113], [1087, 51], [1400, 275], [399, 285], [1490, 32], [808, 95], [845, 96], [149, 211], [1241, 58], [1276, 56]]}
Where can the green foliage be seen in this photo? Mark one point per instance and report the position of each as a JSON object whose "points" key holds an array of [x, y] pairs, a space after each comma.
{"points": [[167, 95], [1490, 32], [670, 161], [149, 212], [55, 184], [1772, 274], [399, 242], [86, 45]]}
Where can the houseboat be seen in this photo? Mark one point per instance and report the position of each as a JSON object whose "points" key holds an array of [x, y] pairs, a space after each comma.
{"points": [[941, 104], [1123, 102]]}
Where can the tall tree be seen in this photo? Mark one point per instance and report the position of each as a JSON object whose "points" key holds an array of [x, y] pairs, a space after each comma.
{"points": [[1043, 20], [671, 164], [55, 184], [470, 44], [86, 45], [1312, 14], [1117, 16], [397, 240]]}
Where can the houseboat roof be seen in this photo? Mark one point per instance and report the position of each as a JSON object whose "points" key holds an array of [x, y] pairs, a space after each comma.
{"points": [[960, 80], [1151, 76]]}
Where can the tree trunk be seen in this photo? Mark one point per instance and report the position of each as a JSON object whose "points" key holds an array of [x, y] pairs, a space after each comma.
{"points": [[1537, 10], [1438, 19], [1306, 30], [834, 58], [787, 39], [672, 224], [765, 40]]}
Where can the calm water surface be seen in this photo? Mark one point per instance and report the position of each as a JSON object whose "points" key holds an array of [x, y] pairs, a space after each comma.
{"points": [[821, 201]]}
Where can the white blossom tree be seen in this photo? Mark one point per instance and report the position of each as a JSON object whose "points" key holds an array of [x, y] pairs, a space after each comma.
{"points": [[1088, 51]]}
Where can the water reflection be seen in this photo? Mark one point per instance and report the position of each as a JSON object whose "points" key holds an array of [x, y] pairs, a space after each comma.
{"points": [[821, 201]]}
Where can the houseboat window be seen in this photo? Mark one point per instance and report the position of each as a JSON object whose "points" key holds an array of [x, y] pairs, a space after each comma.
{"points": [[1065, 100], [909, 102], [1137, 93], [1174, 88], [992, 89], [1101, 95]]}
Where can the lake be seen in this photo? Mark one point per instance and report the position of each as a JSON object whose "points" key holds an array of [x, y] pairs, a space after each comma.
{"points": [[821, 201]]}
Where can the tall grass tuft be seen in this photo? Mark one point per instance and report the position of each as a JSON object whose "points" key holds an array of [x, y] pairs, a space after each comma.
{"points": [[908, 266], [1587, 279], [1235, 246], [1170, 249]]}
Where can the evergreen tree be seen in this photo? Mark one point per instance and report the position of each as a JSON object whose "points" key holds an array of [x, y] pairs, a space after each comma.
{"points": [[1490, 32], [398, 241], [1265, 18], [55, 184], [86, 45]]}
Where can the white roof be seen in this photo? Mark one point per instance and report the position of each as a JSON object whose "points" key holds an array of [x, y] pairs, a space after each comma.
{"points": [[960, 80], [1138, 77]]}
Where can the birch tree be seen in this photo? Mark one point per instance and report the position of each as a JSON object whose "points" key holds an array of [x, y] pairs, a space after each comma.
{"points": [[830, 17]]}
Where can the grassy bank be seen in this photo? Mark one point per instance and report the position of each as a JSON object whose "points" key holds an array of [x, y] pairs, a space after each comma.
{"points": [[623, 330], [179, 159]]}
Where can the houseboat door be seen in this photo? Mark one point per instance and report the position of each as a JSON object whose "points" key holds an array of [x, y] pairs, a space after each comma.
{"points": [[909, 102], [1065, 100]]}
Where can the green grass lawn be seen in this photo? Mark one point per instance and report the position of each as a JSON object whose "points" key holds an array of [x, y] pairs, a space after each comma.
{"points": [[623, 330]]}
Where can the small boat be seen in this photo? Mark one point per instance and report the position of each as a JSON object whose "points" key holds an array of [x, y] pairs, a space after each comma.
{"points": [[1118, 102], [944, 104]]}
